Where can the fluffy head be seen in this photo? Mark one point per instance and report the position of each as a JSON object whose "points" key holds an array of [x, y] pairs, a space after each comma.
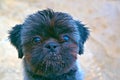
{"points": [[49, 42]]}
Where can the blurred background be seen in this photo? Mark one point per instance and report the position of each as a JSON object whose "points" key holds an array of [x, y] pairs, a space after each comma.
{"points": [[101, 60]]}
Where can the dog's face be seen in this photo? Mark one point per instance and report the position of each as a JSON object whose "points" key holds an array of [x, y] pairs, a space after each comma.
{"points": [[49, 42]]}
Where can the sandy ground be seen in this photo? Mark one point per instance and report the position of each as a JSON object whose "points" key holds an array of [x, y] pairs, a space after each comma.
{"points": [[101, 60]]}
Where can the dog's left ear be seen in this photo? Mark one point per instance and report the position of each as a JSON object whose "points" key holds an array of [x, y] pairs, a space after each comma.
{"points": [[84, 33], [14, 37]]}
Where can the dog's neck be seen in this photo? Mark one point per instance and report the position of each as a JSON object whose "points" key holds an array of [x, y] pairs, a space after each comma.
{"points": [[66, 76]]}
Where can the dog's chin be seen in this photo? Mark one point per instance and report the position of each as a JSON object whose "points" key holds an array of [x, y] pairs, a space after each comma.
{"points": [[52, 64]]}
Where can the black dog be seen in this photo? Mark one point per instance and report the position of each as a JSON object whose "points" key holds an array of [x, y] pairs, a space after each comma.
{"points": [[50, 42]]}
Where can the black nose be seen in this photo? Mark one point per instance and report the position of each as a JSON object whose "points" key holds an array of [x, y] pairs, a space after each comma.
{"points": [[51, 46]]}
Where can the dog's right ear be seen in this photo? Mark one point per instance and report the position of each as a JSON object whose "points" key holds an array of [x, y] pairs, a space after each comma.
{"points": [[14, 37]]}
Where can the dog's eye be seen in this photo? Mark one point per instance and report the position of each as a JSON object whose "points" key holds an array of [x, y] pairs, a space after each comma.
{"points": [[65, 38], [36, 39]]}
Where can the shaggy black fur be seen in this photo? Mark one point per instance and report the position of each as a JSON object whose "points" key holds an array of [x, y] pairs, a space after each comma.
{"points": [[49, 42]]}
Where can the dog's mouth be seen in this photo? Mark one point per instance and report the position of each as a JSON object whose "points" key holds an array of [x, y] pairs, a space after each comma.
{"points": [[53, 56], [52, 62]]}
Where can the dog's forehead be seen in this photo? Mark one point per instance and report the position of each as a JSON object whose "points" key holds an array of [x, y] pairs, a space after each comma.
{"points": [[49, 22]]}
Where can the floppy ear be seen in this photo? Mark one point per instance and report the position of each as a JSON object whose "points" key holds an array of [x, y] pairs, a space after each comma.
{"points": [[84, 33], [14, 37]]}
